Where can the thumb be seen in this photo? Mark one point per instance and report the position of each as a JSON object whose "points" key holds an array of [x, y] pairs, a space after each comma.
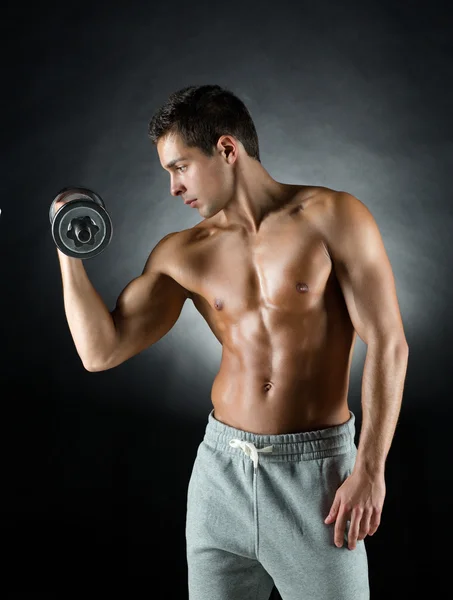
{"points": [[333, 511]]}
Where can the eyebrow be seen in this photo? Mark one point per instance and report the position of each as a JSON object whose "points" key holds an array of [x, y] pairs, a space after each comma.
{"points": [[173, 162]]}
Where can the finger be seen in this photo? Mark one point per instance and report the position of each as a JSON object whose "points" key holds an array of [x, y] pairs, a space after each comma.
{"points": [[354, 527], [333, 511], [374, 523], [364, 524], [340, 528]]}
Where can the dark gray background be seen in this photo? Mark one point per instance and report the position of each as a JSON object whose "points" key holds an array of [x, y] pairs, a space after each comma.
{"points": [[353, 96]]}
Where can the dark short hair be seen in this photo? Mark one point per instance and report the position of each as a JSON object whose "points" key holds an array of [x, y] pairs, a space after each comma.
{"points": [[200, 115]]}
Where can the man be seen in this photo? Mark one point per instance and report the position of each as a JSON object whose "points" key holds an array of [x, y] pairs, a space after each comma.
{"points": [[286, 276]]}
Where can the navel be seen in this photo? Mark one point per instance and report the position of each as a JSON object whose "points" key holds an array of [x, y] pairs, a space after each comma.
{"points": [[301, 287]]}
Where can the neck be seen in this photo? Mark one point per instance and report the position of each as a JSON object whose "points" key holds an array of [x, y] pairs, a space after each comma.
{"points": [[256, 195]]}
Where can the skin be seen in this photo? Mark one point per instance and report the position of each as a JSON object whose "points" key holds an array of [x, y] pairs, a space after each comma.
{"points": [[285, 276]]}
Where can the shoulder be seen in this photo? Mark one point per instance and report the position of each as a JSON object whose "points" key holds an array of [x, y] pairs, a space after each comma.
{"points": [[161, 251], [172, 244], [345, 212], [164, 254], [347, 224], [172, 247], [340, 219], [345, 204], [333, 203], [168, 254]]}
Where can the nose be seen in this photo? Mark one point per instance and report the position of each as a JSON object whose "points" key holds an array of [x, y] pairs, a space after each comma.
{"points": [[176, 189]]}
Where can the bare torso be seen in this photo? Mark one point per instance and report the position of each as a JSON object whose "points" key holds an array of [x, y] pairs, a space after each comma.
{"points": [[274, 303]]}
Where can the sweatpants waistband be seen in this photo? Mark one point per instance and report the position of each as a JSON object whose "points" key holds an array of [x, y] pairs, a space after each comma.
{"points": [[286, 447]]}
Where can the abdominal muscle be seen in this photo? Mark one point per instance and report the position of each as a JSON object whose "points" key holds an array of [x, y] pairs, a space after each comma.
{"points": [[290, 380]]}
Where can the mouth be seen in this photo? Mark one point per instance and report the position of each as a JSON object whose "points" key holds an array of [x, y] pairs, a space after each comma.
{"points": [[190, 202]]}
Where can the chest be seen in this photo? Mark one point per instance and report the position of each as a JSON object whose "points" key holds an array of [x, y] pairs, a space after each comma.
{"points": [[285, 267]]}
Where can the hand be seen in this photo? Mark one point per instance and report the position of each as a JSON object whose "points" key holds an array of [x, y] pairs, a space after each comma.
{"points": [[60, 202], [359, 499]]}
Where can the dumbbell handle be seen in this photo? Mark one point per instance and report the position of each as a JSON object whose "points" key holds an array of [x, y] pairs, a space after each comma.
{"points": [[82, 232]]}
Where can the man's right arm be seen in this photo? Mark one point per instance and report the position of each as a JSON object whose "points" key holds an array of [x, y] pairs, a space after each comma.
{"points": [[145, 311]]}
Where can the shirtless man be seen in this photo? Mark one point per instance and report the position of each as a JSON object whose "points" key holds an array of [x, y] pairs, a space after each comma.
{"points": [[285, 276]]}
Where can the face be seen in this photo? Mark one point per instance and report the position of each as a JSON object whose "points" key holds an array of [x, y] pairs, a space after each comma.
{"points": [[194, 175]]}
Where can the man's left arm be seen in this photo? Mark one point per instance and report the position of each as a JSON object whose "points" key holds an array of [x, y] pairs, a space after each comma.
{"points": [[366, 278]]}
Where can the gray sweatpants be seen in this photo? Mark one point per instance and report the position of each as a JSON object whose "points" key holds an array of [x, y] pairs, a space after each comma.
{"points": [[256, 506]]}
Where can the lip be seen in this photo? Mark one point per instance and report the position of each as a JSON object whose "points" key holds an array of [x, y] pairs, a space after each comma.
{"points": [[190, 202]]}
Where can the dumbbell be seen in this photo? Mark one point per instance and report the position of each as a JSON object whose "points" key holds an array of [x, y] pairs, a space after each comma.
{"points": [[82, 227]]}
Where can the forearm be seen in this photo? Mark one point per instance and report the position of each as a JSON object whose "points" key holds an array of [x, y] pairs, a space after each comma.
{"points": [[382, 392], [90, 322]]}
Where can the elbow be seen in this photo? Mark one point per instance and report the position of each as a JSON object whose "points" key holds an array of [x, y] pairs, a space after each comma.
{"points": [[106, 365], [392, 344], [400, 346], [404, 347], [401, 351], [95, 366], [91, 368]]}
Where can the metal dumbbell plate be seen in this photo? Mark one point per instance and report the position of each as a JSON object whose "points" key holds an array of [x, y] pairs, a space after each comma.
{"points": [[74, 193], [81, 228]]}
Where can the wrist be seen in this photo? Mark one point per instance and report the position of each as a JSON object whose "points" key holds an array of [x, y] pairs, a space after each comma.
{"points": [[370, 468]]}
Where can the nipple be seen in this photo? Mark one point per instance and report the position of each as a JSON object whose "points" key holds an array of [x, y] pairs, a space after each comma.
{"points": [[218, 304], [301, 287]]}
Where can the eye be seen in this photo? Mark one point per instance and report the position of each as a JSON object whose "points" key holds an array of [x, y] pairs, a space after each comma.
{"points": [[178, 168]]}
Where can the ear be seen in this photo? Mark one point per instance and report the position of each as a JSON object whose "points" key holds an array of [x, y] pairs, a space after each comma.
{"points": [[228, 147]]}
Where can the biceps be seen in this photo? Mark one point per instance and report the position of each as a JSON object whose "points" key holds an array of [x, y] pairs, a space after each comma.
{"points": [[146, 310], [370, 294]]}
